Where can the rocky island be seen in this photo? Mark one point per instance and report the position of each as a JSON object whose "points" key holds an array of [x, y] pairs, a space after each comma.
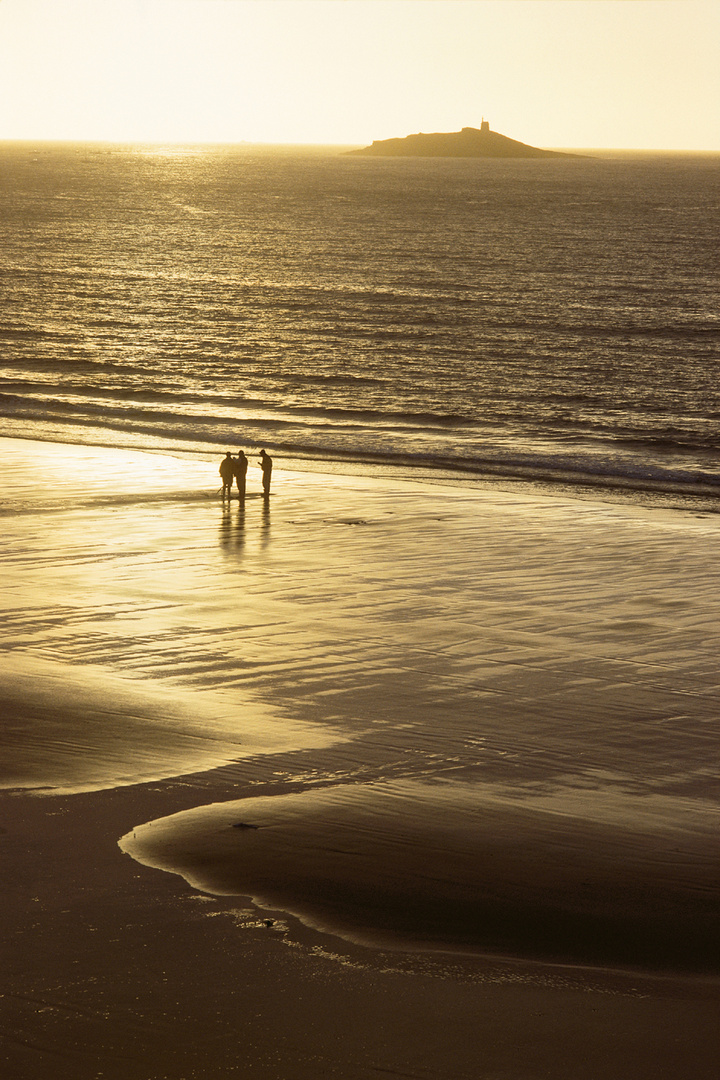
{"points": [[469, 143]]}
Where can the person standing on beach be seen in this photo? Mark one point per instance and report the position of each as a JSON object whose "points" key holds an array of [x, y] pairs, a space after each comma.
{"points": [[266, 466], [241, 466], [227, 472]]}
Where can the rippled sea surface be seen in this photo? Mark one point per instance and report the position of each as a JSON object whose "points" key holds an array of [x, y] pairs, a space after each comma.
{"points": [[554, 319], [538, 675]]}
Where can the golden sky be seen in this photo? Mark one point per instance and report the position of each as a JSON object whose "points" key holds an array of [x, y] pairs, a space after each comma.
{"points": [[555, 73]]}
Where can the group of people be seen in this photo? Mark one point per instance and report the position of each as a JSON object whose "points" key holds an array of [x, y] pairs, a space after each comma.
{"points": [[235, 469]]}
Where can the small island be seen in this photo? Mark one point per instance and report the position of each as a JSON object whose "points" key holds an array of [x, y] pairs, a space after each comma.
{"points": [[469, 143]]}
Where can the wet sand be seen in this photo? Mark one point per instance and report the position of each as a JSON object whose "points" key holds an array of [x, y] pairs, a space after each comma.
{"points": [[459, 866], [394, 671]]}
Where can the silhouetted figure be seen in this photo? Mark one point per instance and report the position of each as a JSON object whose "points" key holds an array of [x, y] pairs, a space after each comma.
{"points": [[266, 466], [241, 473], [227, 472]]}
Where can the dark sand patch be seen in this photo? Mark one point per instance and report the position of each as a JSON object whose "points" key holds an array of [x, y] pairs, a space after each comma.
{"points": [[571, 877], [112, 970]]}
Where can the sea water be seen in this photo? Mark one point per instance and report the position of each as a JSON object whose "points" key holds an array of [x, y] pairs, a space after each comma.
{"points": [[556, 320]]}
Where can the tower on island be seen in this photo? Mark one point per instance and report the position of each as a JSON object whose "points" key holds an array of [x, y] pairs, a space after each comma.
{"points": [[485, 126]]}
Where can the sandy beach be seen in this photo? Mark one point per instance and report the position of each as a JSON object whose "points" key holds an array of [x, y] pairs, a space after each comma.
{"points": [[375, 777]]}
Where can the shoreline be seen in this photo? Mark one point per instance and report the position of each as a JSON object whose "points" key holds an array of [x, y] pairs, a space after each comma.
{"points": [[167, 654], [491, 476]]}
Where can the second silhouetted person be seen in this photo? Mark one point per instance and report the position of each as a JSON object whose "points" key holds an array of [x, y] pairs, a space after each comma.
{"points": [[240, 473]]}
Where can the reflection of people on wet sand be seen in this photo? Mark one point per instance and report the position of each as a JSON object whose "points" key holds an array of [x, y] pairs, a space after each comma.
{"points": [[227, 472], [240, 467], [266, 466]]}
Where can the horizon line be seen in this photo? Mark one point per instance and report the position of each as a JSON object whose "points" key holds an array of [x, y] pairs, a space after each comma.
{"points": [[96, 141]]}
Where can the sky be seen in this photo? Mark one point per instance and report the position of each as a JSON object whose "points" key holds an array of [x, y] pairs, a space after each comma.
{"points": [[635, 74]]}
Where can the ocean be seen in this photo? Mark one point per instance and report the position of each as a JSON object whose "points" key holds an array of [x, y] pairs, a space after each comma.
{"points": [[430, 733], [552, 321]]}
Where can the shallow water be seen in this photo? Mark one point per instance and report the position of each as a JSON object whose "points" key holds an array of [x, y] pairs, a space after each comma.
{"points": [[436, 763], [529, 684]]}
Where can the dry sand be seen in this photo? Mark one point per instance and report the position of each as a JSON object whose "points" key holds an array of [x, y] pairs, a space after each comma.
{"points": [[164, 654]]}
